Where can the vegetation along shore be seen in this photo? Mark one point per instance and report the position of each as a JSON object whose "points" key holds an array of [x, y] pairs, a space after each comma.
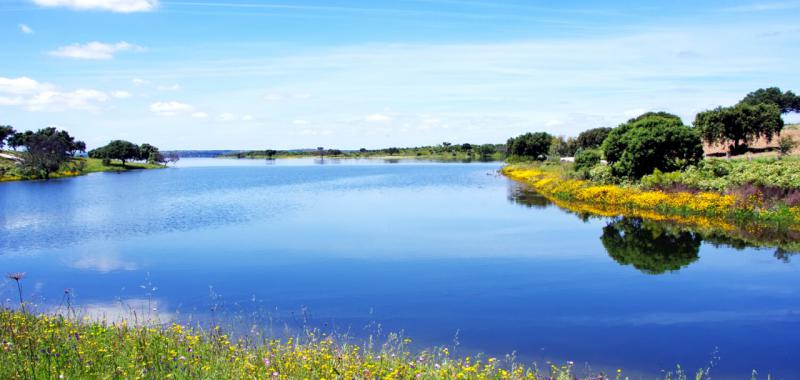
{"points": [[60, 347], [654, 166], [52, 153]]}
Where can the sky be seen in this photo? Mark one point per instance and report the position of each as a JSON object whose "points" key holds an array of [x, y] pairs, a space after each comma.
{"points": [[347, 74]]}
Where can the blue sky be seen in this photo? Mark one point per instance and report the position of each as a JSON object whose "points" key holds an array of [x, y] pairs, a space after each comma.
{"points": [[248, 74]]}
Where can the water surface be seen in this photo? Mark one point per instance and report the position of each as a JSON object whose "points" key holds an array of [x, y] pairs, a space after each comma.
{"points": [[445, 252]]}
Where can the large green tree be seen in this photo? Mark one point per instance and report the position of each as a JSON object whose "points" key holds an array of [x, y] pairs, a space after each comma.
{"points": [[739, 125], [530, 145], [6, 131], [46, 149], [117, 150], [651, 141], [786, 101]]}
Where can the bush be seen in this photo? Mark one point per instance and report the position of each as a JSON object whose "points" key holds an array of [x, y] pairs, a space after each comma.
{"points": [[602, 174], [652, 141], [786, 144], [586, 159]]}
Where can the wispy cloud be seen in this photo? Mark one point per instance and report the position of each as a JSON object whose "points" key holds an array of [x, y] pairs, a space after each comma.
{"points": [[94, 50], [172, 87], [764, 6], [377, 118], [25, 29], [121, 94], [170, 108], [118, 6]]}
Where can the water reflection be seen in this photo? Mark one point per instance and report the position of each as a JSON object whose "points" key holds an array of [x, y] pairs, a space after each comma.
{"points": [[657, 247], [650, 247]]}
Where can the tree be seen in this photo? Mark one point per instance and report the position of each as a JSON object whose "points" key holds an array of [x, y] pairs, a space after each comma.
{"points": [[148, 153], [6, 131], [651, 141], [392, 151], [172, 157], [563, 147], [786, 101], [487, 150], [530, 145], [117, 150], [592, 138], [46, 150], [648, 246], [740, 125], [321, 150]]}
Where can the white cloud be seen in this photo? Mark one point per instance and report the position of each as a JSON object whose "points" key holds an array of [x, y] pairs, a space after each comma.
{"points": [[226, 116], [84, 99], [25, 29], [173, 87], [299, 122], [170, 108], [140, 81], [121, 94], [94, 50], [200, 115], [119, 6], [22, 85], [247, 117], [377, 118], [37, 96], [553, 123]]}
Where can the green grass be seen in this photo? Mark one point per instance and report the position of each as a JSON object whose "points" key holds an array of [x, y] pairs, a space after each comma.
{"points": [[74, 167], [54, 346]]}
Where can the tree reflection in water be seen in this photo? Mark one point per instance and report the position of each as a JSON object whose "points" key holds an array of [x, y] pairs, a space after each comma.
{"points": [[649, 246], [657, 247]]}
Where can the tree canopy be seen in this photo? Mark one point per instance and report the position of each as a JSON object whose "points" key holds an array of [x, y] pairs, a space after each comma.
{"points": [[786, 101], [117, 150], [530, 145], [740, 125], [592, 138], [651, 141]]}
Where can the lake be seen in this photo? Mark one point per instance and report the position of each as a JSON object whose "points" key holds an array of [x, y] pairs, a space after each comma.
{"points": [[446, 253]]}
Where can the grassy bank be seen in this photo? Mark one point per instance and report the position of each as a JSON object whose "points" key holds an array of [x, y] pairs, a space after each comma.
{"points": [[11, 171], [702, 208], [50, 347]]}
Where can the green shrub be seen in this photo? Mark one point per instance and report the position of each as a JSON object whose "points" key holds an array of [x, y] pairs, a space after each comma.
{"points": [[602, 174], [586, 159]]}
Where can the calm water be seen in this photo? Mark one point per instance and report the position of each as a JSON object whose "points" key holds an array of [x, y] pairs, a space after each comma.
{"points": [[442, 251]]}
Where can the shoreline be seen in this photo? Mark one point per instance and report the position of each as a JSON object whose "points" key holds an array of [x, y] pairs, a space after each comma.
{"points": [[709, 210], [89, 166]]}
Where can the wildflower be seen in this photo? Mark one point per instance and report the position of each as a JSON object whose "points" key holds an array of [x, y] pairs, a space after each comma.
{"points": [[16, 276]]}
